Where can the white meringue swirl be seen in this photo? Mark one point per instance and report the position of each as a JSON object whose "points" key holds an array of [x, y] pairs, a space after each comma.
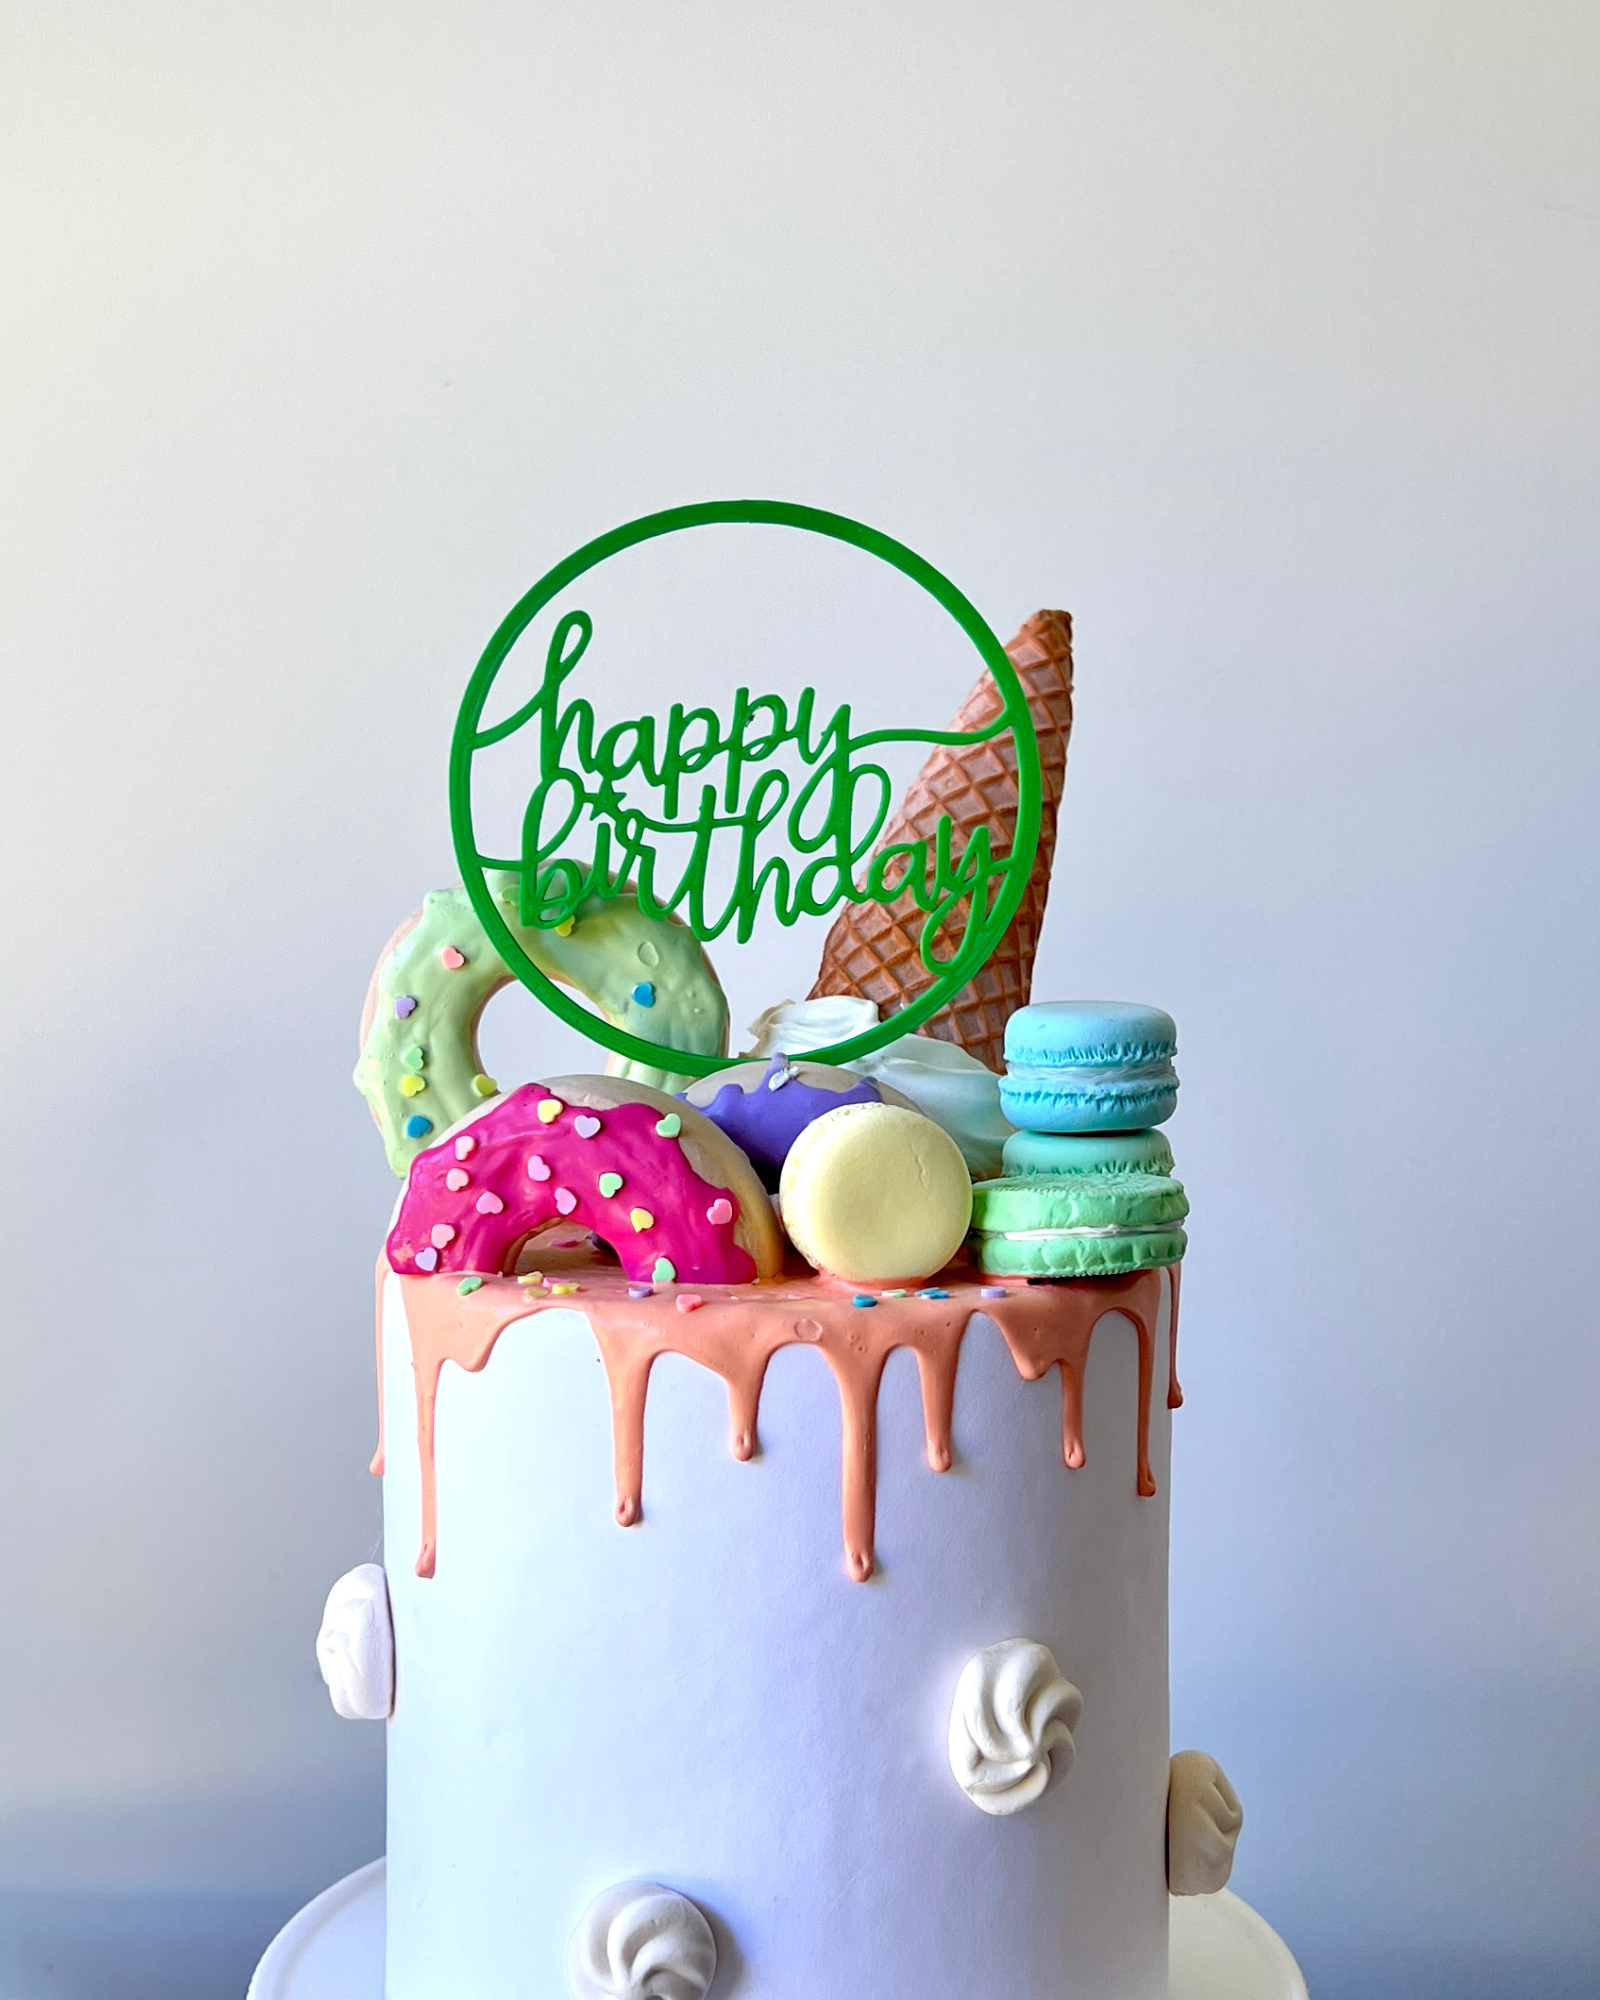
{"points": [[1203, 1821], [1011, 1725], [638, 1941], [355, 1647]]}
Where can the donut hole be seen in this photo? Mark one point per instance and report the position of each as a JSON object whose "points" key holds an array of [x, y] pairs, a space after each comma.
{"points": [[554, 1246]]}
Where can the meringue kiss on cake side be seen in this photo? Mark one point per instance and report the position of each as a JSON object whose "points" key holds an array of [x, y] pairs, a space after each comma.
{"points": [[774, 1597]]}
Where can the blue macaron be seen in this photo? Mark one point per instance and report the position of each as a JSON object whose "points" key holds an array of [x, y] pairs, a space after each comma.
{"points": [[1089, 1066]]}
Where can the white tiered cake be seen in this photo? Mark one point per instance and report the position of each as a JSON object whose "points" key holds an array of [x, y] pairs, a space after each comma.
{"points": [[756, 1622]]}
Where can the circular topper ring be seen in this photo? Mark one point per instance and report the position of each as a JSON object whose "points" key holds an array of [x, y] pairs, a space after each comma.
{"points": [[551, 889]]}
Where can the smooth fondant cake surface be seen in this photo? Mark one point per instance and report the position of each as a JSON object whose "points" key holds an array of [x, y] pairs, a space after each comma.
{"points": [[708, 1700]]}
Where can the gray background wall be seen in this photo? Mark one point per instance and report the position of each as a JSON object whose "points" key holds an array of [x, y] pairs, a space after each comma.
{"points": [[1261, 336]]}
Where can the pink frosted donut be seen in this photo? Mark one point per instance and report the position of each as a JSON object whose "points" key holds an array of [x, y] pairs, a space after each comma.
{"points": [[674, 1197]]}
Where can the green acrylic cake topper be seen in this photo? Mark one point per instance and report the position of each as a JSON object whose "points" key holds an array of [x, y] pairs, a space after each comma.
{"points": [[579, 775]]}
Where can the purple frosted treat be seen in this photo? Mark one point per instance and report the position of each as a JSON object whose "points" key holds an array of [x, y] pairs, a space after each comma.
{"points": [[764, 1107]]}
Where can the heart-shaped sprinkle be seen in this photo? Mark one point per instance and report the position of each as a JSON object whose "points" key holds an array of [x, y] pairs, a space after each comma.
{"points": [[644, 994], [485, 1086], [457, 1179], [530, 1277], [538, 1170], [566, 926], [863, 1299], [642, 1219], [412, 1086], [427, 1260], [991, 1291], [566, 1200], [468, 1286], [688, 1302], [489, 1204], [807, 1329], [441, 1235], [720, 1211], [586, 1126], [780, 1077], [451, 959], [414, 1058], [664, 1272], [550, 1109], [610, 1184], [405, 1006], [640, 1292], [466, 1146], [418, 1127], [669, 1127], [563, 1291]]}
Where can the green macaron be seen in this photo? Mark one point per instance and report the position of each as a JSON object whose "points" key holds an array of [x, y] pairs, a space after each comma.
{"points": [[1088, 1153], [1092, 1225]]}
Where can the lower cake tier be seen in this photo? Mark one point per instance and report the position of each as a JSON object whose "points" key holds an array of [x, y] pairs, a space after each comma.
{"points": [[821, 1721]]}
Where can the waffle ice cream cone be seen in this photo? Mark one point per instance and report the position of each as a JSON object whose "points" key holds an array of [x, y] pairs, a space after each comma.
{"points": [[873, 949]]}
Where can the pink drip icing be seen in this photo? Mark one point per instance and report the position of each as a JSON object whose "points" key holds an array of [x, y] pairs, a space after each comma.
{"points": [[737, 1334]]}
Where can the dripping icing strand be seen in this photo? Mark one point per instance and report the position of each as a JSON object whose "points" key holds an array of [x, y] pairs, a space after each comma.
{"points": [[1174, 1391], [736, 1337]]}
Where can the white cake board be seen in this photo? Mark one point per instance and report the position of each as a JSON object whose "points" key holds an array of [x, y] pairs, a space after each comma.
{"points": [[333, 1950]]}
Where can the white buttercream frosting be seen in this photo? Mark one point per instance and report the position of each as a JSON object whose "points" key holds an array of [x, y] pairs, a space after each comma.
{"points": [[638, 1941], [935, 1077], [1011, 1725], [355, 1647], [1203, 1821]]}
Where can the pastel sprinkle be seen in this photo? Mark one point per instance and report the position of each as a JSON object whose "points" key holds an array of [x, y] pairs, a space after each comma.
{"points": [[992, 1292], [669, 1127], [688, 1302], [550, 1109], [932, 1292], [485, 1086], [466, 1146], [642, 1219], [720, 1211], [566, 926], [451, 959], [566, 1200], [530, 1278], [406, 1005], [640, 1292], [665, 1272], [645, 994], [585, 1125], [441, 1235], [412, 1086], [563, 1291], [780, 1077], [538, 1169], [427, 1260], [863, 1299], [457, 1179], [899, 1292], [610, 1184], [414, 1057], [489, 1204], [418, 1127], [468, 1286]]}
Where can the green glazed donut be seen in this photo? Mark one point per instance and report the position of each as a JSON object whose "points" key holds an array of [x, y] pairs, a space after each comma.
{"points": [[419, 1068]]}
